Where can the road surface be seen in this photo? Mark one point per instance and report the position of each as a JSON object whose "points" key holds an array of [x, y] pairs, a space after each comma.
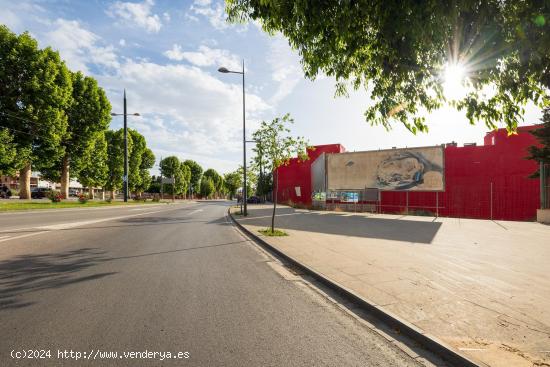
{"points": [[128, 285]]}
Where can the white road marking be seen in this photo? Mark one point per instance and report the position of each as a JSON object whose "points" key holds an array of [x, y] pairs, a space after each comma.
{"points": [[3, 237], [23, 235], [195, 211], [60, 226]]}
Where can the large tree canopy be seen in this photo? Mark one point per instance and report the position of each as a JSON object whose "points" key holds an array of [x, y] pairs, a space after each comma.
{"points": [[172, 167], [35, 91], [398, 51], [216, 179], [88, 114], [196, 174], [8, 153]]}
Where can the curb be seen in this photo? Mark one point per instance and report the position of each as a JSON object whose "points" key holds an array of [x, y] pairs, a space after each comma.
{"points": [[428, 342]]}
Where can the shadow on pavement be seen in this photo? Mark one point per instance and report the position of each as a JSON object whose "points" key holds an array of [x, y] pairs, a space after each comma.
{"points": [[345, 224], [25, 274]]}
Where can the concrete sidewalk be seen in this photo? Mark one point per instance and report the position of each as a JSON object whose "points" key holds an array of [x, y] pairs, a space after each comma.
{"points": [[480, 286]]}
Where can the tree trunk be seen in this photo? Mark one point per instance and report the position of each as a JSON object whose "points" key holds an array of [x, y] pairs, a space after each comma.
{"points": [[102, 194], [65, 182], [274, 206], [25, 182], [112, 194], [91, 192]]}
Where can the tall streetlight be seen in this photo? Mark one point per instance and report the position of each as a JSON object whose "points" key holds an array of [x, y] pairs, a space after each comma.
{"points": [[125, 178], [225, 70]]}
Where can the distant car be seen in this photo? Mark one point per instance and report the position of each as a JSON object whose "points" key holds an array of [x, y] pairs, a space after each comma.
{"points": [[5, 193], [40, 192], [73, 192], [254, 200]]}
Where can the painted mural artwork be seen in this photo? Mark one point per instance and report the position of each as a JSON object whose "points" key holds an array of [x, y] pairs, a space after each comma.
{"points": [[405, 170]]}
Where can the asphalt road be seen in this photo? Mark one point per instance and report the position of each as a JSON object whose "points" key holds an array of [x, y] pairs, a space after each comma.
{"points": [[168, 278]]}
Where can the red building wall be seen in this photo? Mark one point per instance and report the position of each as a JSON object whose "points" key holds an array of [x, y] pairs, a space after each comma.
{"points": [[488, 181], [298, 174]]}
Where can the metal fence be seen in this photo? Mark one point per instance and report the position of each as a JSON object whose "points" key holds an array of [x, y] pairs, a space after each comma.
{"points": [[505, 198], [544, 173]]}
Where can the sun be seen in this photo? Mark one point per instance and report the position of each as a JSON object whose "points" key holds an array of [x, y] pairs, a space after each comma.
{"points": [[454, 79]]}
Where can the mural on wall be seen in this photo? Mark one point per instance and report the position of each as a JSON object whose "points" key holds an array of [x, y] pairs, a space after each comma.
{"points": [[418, 169], [406, 170]]}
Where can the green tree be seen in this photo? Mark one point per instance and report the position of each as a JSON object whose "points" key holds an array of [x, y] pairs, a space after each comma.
{"points": [[134, 160], [8, 153], [185, 178], [172, 167], [232, 181], [88, 113], [115, 159], [207, 187], [399, 51], [251, 180], [541, 153], [93, 168], [216, 179], [196, 174], [278, 148], [260, 161], [35, 92], [147, 162]]}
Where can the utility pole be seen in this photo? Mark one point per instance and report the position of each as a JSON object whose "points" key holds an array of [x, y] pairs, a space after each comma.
{"points": [[244, 146], [125, 179]]}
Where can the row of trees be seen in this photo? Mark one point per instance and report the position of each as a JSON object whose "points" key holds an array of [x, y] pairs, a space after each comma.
{"points": [[190, 180], [55, 121]]}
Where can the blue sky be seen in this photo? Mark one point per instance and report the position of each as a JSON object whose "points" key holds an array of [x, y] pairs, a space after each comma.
{"points": [[166, 53]]}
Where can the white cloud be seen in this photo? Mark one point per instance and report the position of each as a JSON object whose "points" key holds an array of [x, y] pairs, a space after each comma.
{"points": [[10, 19], [285, 68], [137, 13], [205, 56], [122, 42], [185, 110], [214, 13], [166, 16], [79, 47]]}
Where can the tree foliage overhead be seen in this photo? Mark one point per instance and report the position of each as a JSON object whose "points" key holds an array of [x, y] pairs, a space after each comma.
{"points": [[398, 50], [542, 153]]}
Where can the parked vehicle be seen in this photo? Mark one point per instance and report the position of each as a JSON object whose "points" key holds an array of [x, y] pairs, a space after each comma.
{"points": [[40, 192], [5, 193], [73, 192], [254, 200]]}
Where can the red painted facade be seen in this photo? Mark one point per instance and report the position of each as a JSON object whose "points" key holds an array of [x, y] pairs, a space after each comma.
{"points": [[298, 174], [488, 181]]}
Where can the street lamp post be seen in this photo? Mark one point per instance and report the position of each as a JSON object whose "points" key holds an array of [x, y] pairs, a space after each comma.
{"points": [[225, 70], [125, 178]]}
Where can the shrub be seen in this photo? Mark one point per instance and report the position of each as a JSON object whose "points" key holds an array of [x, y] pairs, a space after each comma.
{"points": [[54, 196], [109, 200], [82, 198]]}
